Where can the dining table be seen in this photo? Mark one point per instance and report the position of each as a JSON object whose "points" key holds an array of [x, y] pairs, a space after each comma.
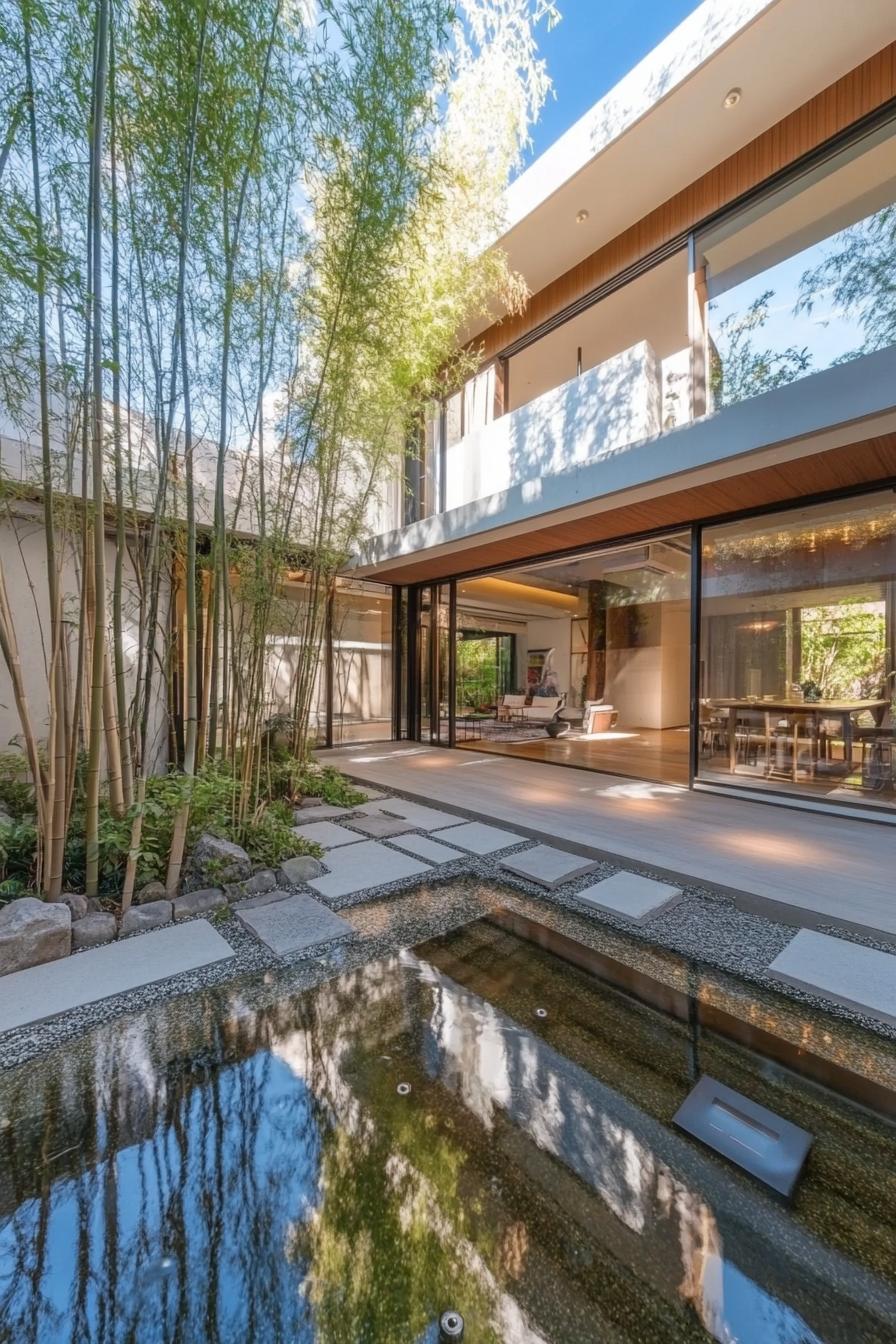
{"points": [[844, 711]]}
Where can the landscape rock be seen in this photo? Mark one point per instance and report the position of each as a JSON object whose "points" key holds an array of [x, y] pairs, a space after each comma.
{"points": [[301, 869], [153, 891], [5, 818], [93, 931], [310, 801], [94, 905], [32, 932], [218, 861], [139, 918], [199, 902], [76, 903], [262, 881]]}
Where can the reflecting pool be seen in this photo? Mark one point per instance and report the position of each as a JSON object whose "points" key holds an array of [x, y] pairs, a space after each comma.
{"points": [[245, 1165]]}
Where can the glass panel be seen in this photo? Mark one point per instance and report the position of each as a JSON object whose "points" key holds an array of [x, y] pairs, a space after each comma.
{"points": [[362, 662], [797, 651], [584, 660], [293, 628], [401, 662], [805, 278], [638, 336], [424, 660]]}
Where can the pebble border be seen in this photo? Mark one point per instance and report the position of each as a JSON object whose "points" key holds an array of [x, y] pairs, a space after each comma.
{"points": [[705, 926]]}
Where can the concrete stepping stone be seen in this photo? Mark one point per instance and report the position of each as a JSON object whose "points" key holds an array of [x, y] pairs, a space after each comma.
{"points": [[478, 838], [357, 868], [303, 816], [59, 986], [547, 866], [381, 827], [296, 924], [326, 834], [263, 898], [862, 978], [426, 848], [630, 895], [420, 817]]}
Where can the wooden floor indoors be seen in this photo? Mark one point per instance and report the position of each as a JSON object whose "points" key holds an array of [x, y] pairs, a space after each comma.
{"points": [[814, 867], [647, 753]]}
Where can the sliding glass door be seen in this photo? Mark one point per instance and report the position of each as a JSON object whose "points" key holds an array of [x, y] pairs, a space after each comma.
{"points": [[798, 652]]}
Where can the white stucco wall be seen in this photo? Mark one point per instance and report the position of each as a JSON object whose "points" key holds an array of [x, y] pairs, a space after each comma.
{"points": [[617, 403], [23, 561]]}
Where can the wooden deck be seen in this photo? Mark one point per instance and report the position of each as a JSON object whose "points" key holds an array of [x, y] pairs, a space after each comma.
{"points": [[805, 868]]}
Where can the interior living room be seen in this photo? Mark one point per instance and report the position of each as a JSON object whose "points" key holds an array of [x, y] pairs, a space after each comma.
{"points": [[581, 661]]}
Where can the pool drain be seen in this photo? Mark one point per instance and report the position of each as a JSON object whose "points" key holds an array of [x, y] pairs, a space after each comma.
{"points": [[403, 1089], [451, 1326], [541, 1012]]}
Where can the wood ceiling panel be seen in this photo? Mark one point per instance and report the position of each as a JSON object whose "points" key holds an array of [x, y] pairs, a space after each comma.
{"points": [[829, 112], [870, 461]]}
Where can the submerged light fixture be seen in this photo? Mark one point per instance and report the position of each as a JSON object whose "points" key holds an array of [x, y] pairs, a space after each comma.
{"points": [[765, 1144], [451, 1327]]}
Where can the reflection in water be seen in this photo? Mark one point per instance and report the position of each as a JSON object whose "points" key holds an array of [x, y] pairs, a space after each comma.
{"points": [[223, 1171]]}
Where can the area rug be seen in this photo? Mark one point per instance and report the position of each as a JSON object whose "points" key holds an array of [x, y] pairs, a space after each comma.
{"points": [[512, 732]]}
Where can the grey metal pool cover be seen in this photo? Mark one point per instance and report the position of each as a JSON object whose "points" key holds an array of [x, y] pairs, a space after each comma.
{"points": [[763, 1143]]}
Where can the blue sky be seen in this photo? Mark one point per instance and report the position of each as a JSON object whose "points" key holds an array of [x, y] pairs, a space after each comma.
{"points": [[595, 44]]}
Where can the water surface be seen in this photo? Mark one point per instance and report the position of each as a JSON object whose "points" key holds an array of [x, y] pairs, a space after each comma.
{"points": [[230, 1168]]}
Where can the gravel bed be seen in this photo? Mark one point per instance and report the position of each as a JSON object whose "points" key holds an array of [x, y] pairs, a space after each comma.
{"points": [[705, 926]]}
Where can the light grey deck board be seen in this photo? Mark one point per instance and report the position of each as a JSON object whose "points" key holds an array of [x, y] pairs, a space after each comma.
{"points": [[59, 986], [827, 867]]}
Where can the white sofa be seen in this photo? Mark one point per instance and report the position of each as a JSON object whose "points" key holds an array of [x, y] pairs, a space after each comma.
{"points": [[542, 709]]}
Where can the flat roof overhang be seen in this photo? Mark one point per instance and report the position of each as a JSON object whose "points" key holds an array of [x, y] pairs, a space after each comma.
{"points": [[833, 431], [666, 117]]}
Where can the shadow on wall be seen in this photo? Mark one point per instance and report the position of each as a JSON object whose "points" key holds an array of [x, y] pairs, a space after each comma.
{"points": [[617, 403]]}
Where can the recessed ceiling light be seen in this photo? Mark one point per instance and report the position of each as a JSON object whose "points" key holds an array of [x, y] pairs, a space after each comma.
{"points": [[581, 216], [732, 98]]}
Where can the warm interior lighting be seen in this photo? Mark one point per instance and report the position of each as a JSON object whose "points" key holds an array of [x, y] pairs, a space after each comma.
{"points": [[520, 594], [732, 98]]}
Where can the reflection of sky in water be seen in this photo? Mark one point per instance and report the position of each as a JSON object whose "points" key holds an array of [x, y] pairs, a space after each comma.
{"points": [[748, 1315], [259, 1202], [825, 332], [186, 1208], [496, 1065]]}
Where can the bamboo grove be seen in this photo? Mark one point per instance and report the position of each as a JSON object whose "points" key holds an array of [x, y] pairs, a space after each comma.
{"points": [[237, 244]]}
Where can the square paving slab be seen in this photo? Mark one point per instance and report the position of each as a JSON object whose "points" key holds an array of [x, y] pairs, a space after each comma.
{"points": [[59, 986], [628, 894], [294, 925], [381, 827], [548, 866], [319, 812], [478, 838], [859, 977], [428, 849], [358, 867], [421, 818], [326, 834]]}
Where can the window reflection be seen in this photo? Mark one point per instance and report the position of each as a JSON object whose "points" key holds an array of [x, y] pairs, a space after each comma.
{"points": [[805, 279], [797, 651]]}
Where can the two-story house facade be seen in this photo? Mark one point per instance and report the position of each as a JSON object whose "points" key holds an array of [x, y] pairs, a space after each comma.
{"points": [[655, 535]]}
